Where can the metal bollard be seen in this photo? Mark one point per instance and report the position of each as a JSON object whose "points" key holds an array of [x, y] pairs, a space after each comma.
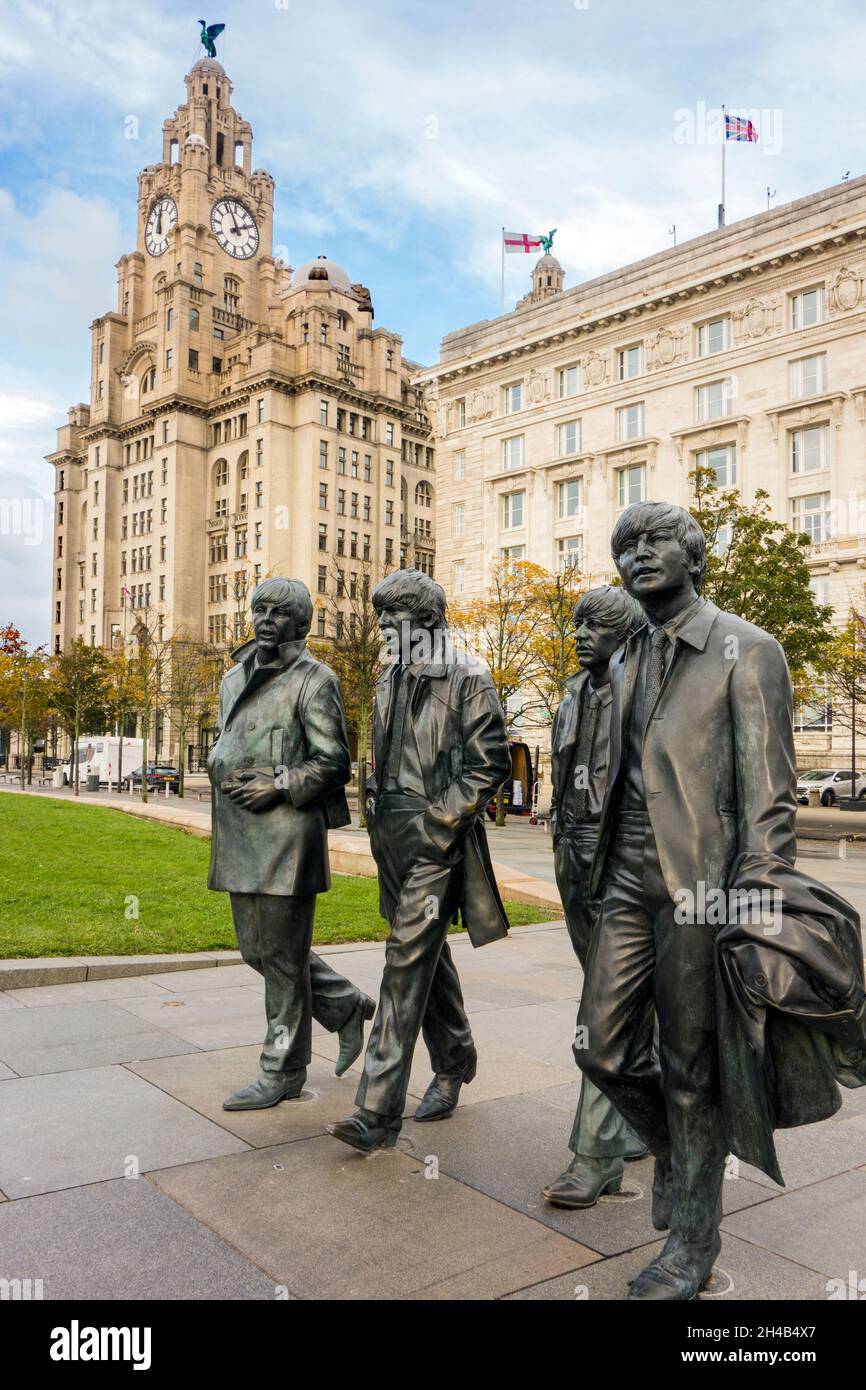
{"points": [[843, 849]]}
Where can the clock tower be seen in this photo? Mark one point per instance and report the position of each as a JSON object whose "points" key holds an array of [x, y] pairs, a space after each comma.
{"points": [[242, 421]]}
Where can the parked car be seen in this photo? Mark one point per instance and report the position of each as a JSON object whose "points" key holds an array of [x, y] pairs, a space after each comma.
{"points": [[831, 783], [159, 776]]}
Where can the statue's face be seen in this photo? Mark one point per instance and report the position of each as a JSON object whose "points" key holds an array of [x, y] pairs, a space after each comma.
{"points": [[596, 641], [654, 563], [273, 624], [403, 630]]}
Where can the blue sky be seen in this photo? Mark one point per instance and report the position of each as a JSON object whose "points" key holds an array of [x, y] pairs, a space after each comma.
{"points": [[402, 136]]}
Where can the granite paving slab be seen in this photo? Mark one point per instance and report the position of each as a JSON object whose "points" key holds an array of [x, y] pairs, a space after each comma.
{"points": [[202, 1080], [129, 987], [812, 1152], [6, 1072], [69, 1128], [742, 1271], [139, 1245], [69, 1037], [502, 1070], [8, 1002], [206, 1019], [355, 1227], [822, 1226], [512, 1147], [229, 975]]}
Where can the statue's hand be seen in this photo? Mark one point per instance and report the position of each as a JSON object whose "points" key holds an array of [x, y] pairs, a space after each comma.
{"points": [[255, 790]]}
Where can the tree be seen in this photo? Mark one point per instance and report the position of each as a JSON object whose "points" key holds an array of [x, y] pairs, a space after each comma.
{"points": [[840, 679], [79, 688], [125, 697], [24, 702], [500, 629], [148, 664], [11, 644], [756, 568], [193, 677], [553, 645], [355, 653]]}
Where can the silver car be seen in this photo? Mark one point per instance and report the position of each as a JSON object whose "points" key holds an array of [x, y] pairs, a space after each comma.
{"points": [[831, 783]]}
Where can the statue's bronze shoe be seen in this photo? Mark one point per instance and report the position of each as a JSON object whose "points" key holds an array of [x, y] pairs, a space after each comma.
{"points": [[269, 1088], [440, 1099], [367, 1131], [351, 1034], [584, 1181], [678, 1274]]}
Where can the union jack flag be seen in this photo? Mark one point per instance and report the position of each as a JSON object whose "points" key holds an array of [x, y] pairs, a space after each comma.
{"points": [[740, 128]]}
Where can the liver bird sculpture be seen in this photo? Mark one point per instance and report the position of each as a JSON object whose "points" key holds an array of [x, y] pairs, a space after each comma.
{"points": [[547, 241], [207, 36]]}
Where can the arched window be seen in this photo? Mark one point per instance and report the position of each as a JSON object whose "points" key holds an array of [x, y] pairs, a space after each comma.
{"points": [[148, 381], [231, 291], [193, 320], [423, 495], [221, 473], [244, 465]]}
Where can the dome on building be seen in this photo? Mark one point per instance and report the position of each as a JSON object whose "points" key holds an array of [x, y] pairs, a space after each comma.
{"points": [[321, 271], [548, 262], [204, 66]]}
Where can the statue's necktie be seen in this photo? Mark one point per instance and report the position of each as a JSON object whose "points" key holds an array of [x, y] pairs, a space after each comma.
{"points": [[655, 674], [399, 697], [582, 766]]}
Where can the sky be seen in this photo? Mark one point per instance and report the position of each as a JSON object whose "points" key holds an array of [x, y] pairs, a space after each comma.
{"points": [[402, 138]]}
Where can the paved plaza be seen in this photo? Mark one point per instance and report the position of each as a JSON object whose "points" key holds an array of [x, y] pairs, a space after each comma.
{"points": [[122, 1177]]}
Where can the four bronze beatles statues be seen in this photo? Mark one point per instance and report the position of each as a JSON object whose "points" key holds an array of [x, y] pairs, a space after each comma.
{"points": [[701, 1028]]}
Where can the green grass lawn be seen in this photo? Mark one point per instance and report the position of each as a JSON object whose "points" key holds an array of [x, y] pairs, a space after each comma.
{"points": [[72, 878]]}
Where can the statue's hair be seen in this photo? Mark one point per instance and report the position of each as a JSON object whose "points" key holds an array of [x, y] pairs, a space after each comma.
{"points": [[643, 516], [614, 606], [412, 590], [291, 592]]}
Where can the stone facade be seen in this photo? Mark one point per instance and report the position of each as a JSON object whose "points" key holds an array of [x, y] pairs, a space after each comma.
{"points": [[744, 350], [244, 420]]}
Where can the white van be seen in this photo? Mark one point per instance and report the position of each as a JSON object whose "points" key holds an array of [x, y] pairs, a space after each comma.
{"points": [[102, 753]]}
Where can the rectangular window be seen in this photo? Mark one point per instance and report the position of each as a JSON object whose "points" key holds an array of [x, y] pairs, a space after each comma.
{"points": [[459, 518], [260, 452], [323, 412], [323, 536], [812, 515], [169, 358], [809, 376], [389, 432], [568, 438], [513, 509], [512, 452], [569, 553], [568, 381], [389, 472], [260, 411], [569, 498], [809, 449], [630, 362], [389, 512], [713, 336], [323, 453], [459, 576], [323, 497], [630, 422], [714, 400], [192, 360], [723, 461], [630, 485], [513, 397], [807, 308], [460, 412], [460, 465]]}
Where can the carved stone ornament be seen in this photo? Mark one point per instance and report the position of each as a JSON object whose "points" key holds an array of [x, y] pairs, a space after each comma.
{"points": [[539, 386], [666, 347], [595, 368], [479, 404], [846, 289], [757, 316]]}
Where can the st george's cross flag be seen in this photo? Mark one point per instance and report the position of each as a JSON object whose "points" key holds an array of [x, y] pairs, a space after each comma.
{"points": [[516, 242], [740, 128]]}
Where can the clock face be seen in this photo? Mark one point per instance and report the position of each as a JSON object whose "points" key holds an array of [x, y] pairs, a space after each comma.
{"points": [[161, 222], [234, 228]]}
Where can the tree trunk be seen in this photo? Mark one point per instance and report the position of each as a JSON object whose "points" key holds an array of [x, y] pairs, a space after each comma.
{"points": [[120, 757], [145, 730], [181, 760], [75, 733]]}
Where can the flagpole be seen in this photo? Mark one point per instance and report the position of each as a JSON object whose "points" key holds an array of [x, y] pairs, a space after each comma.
{"points": [[724, 143], [502, 274]]}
